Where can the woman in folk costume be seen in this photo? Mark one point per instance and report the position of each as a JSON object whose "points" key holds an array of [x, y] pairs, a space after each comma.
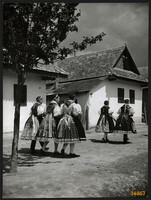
{"points": [[44, 133], [75, 111], [125, 122], [67, 132], [56, 116], [75, 130], [33, 122], [106, 120]]}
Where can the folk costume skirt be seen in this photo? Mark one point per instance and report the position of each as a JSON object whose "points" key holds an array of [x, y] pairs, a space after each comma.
{"points": [[66, 131], [125, 125], [80, 128], [107, 124], [45, 129], [30, 128]]}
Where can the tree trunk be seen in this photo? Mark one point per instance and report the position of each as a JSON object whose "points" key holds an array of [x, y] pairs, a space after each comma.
{"points": [[14, 156], [87, 118], [145, 113]]}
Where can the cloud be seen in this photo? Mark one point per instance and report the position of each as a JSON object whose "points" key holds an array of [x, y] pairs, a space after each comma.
{"points": [[123, 23]]}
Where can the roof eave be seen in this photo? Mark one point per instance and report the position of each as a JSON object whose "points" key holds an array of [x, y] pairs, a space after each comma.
{"points": [[134, 80], [47, 73], [66, 93], [81, 79]]}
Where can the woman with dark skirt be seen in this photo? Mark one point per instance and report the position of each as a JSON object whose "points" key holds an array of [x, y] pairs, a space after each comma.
{"points": [[70, 128], [75, 111], [106, 120], [125, 122], [67, 132], [56, 116]]}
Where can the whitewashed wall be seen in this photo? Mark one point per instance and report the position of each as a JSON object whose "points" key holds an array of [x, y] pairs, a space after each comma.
{"points": [[83, 100], [35, 87], [96, 101], [107, 90], [112, 96]]}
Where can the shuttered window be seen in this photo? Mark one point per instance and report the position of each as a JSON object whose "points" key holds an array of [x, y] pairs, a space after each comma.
{"points": [[120, 94], [132, 96]]}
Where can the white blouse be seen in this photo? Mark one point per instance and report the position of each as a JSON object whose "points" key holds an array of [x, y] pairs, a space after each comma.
{"points": [[75, 109], [40, 109], [56, 111]]}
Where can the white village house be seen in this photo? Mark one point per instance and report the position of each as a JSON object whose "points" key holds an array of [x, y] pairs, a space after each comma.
{"points": [[34, 86], [144, 71], [106, 75]]}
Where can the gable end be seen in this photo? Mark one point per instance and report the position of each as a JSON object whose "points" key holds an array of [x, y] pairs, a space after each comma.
{"points": [[126, 62]]}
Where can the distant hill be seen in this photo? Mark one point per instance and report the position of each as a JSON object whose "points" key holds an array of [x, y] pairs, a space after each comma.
{"points": [[143, 71]]}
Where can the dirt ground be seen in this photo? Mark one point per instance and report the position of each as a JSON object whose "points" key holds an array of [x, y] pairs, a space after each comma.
{"points": [[111, 169]]}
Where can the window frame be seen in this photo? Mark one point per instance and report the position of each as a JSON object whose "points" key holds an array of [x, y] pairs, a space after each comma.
{"points": [[120, 97], [132, 99]]}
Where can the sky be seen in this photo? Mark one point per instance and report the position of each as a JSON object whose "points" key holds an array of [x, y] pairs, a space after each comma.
{"points": [[123, 23]]}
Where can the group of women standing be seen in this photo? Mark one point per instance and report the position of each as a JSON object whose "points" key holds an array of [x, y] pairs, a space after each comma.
{"points": [[124, 123], [62, 123], [58, 122]]}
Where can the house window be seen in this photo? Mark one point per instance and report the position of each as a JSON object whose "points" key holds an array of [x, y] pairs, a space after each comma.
{"points": [[23, 95], [132, 96], [120, 95]]}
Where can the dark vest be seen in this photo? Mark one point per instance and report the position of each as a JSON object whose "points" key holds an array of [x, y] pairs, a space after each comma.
{"points": [[125, 109], [105, 110], [34, 109]]}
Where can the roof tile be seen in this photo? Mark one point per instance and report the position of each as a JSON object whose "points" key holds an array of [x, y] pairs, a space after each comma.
{"points": [[92, 64]]}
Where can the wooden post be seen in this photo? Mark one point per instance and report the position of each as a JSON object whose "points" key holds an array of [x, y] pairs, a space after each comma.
{"points": [[14, 156], [87, 117], [145, 114]]}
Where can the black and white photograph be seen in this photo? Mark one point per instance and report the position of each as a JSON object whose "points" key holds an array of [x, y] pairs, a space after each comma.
{"points": [[75, 100]]}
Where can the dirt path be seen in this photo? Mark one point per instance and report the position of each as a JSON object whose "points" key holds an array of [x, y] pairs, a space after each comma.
{"points": [[103, 170]]}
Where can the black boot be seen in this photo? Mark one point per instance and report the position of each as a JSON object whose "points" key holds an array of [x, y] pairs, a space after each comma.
{"points": [[125, 138], [62, 152], [32, 146]]}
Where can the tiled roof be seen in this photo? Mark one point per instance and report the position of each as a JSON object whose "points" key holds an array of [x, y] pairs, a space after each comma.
{"points": [[46, 70], [128, 75], [97, 64], [144, 71], [92, 64], [87, 71], [76, 86], [50, 69]]}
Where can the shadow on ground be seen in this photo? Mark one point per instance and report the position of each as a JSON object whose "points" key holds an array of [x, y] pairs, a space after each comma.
{"points": [[38, 153], [118, 142], [25, 159], [110, 142], [6, 163]]}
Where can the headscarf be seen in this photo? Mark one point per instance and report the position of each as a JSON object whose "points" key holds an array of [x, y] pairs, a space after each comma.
{"points": [[126, 101], [106, 103], [39, 98]]}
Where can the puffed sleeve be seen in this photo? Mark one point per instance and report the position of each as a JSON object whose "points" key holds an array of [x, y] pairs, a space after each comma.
{"points": [[57, 111], [119, 111], [111, 111], [79, 109], [63, 109], [70, 108], [40, 110], [131, 111]]}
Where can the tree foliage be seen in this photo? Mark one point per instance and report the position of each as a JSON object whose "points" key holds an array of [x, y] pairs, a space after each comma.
{"points": [[34, 31]]}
